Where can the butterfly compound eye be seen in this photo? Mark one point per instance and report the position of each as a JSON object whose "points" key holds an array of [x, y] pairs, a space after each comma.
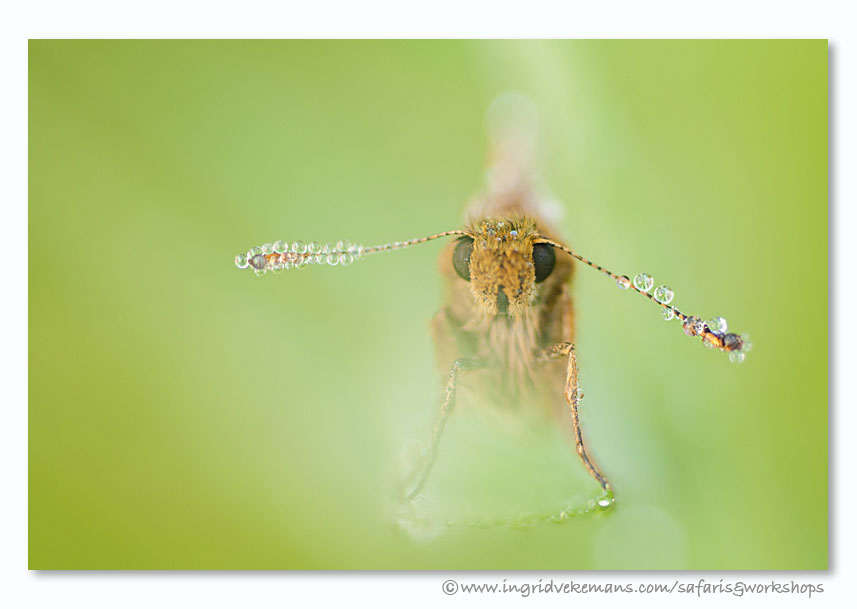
{"points": [[461, 257], [544, 259]]}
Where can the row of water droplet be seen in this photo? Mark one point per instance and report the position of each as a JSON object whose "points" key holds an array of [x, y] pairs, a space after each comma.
{"points": [[644, 282], [298, 255], [693, 326]]}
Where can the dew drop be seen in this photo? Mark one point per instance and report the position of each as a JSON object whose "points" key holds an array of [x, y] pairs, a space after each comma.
{"points": [[301, 263], [606, 500], [736, 357], [254, 251], [299, 247], [260, 272], [513, 234], [748, 345], [281, 247], [241, 261], [346, 259], [663, 294], [333, 259], [276, 270], [258, 261], [643, 282], [693, 326], [623, 282], [717, 324], [732, 342], [314, 247], [327, 249], [668, 313], [268, 248]]}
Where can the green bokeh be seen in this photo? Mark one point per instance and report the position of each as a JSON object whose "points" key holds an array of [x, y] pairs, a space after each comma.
{"points": [[184, 414]]}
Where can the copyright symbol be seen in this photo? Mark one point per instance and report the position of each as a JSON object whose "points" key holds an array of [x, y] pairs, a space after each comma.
{"points": [[450, 587]]}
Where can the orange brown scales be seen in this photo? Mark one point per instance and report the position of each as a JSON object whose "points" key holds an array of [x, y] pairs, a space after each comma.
{"points": [[537, 315]]}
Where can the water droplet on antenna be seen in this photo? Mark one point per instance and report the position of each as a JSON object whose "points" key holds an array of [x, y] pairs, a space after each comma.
{"points": [[736, 357], [732, 342], [668, 313], [623, 282], [663, 294], [241, 261], [299, 247], [693, 326], [258, 261], [717, 324], [643, 282]]}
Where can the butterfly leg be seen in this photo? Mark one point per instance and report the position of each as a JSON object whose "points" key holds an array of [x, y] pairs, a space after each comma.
{"points": [[572, 397], [460, 365]]}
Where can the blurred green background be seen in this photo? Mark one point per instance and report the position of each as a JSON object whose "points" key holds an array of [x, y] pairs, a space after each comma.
{"points": [[183, 414]]}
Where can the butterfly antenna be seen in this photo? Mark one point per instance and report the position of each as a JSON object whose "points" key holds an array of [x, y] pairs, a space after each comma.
{"points": [[281, 255], [712, 332]]}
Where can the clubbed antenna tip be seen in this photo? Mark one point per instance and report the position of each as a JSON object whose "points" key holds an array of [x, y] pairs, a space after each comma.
{"points": [[713, 332]]}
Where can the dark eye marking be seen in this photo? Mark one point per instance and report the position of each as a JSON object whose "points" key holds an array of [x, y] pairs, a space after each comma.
{"points": [[461, 257], [544, 259]]}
